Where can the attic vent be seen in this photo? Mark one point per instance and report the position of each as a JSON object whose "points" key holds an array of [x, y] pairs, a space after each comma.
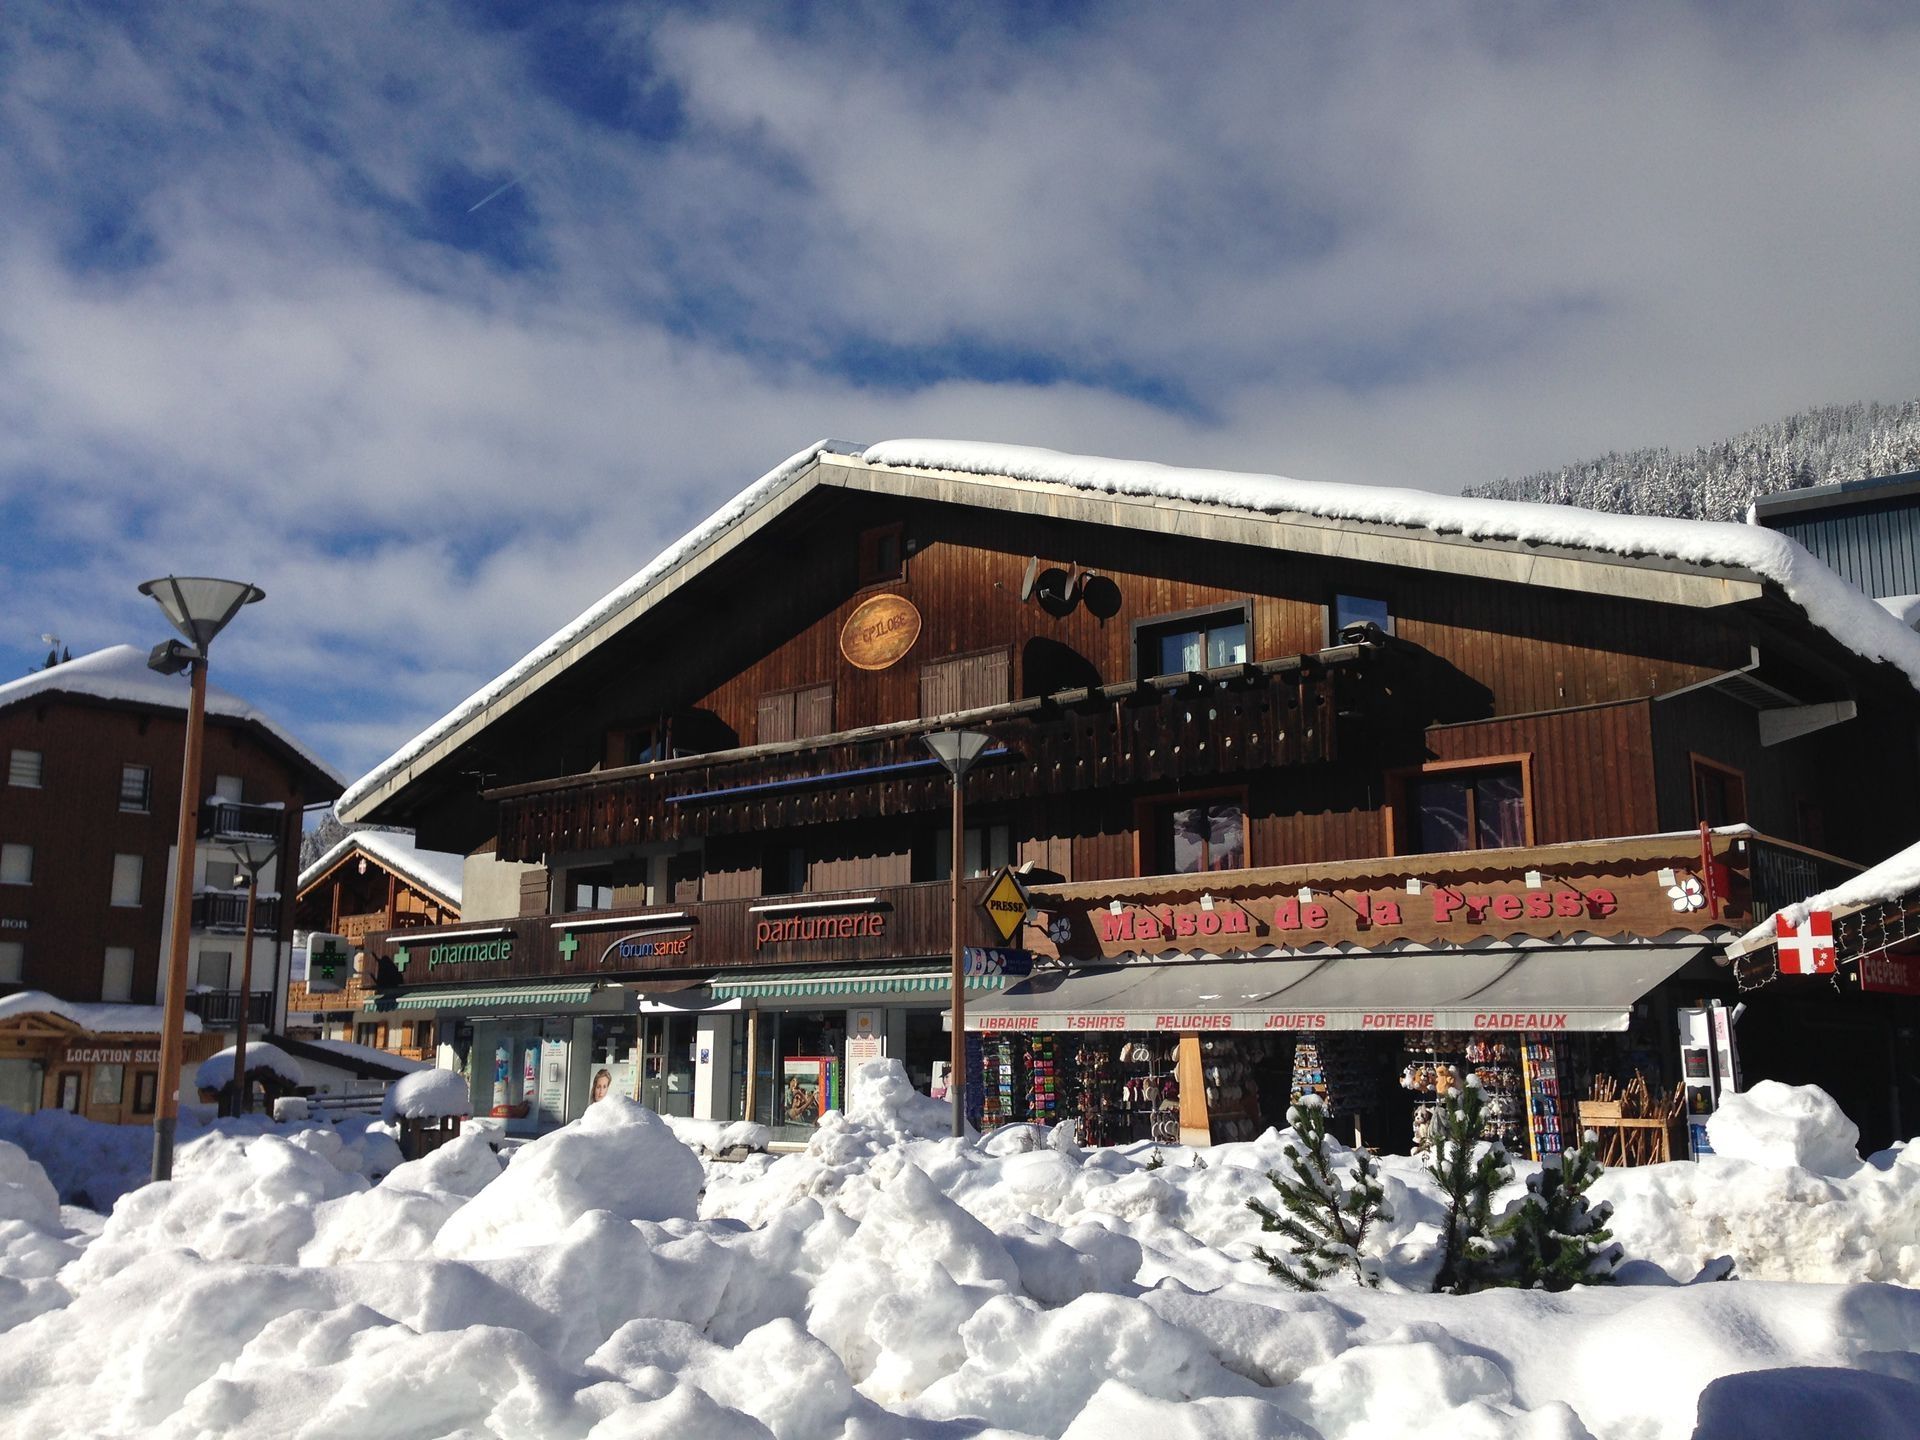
{"points": [[1751, 691]]}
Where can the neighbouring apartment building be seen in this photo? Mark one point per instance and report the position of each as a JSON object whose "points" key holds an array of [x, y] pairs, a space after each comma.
{"points": [[89, 809], [1312, 788]]}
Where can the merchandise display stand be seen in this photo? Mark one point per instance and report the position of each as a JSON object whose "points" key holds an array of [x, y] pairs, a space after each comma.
{"points": [[1543, 1069]]}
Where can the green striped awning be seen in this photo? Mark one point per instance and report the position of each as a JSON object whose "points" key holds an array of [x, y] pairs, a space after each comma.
{"points": [[480, 997], [844, 980]]}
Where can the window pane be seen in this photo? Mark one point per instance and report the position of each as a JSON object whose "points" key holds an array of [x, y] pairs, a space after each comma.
{"points": [[116, 982], [1227, 838], [228, 787], [107, 1080], [23, 768], [1191, 832], [133, 787], [13, 961], [16, 864], [1351, 609], [1500, 809], [1440, 811], [126, 879], [1227, 645], [214, 969], [1180, 652]]}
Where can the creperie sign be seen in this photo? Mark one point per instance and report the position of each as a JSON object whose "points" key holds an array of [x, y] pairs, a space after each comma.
{"points": [[1440, 905]]}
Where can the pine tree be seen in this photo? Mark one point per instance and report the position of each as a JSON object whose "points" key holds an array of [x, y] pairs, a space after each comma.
{"points": [[1468, 1174], [1323, 1218], [1555, 1238]]}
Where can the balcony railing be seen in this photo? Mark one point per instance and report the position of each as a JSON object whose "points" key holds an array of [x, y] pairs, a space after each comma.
{"points": [[232, 820], [1174, 727], [1785, 875], [220, 1009], [224, 912]]}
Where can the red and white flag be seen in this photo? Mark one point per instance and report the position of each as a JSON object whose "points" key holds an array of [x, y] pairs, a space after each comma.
{"points": [[1806, 948]]}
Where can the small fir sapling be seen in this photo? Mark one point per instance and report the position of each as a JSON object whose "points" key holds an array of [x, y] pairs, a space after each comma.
{"points": [[1468, 1173], [1323, 1218], [1555, 1238]]}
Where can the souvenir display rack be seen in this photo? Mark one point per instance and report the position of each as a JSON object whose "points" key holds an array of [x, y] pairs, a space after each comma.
{"points": [[1433, 1057], [1233, 1096], [1544, 1068], [1002, 1081], [1046, 1084], [1340, 1069]]}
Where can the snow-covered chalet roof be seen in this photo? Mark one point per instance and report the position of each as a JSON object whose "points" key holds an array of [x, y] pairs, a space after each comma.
{"points": [[120, 673], [99, 1019], [437, 871], [1896, 876], [1725, 549]]}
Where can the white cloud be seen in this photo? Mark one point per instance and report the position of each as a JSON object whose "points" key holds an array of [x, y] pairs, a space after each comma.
{"points": [[246, 328]]}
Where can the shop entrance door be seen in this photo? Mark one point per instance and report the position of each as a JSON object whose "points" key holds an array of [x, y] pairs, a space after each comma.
{"points": [[666, 1075], [67, 1090]]}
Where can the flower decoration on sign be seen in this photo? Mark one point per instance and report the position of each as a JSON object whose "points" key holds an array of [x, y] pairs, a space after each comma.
{"points": [[1060, 929], [1687, 893]]}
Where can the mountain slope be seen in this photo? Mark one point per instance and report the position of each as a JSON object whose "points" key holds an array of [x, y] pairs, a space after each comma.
{"points": [[1719, 481]]}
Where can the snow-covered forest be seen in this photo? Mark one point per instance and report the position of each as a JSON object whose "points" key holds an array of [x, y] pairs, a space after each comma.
{"points": [[1719, 481]]}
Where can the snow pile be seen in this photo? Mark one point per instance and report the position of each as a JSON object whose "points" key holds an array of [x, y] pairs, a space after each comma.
{"points": [[619, 1157], [99, 1019], [1786, 1126], [719, 1137], [216, 1071], [427, 1094], [938, 1287], [25, 1192]]}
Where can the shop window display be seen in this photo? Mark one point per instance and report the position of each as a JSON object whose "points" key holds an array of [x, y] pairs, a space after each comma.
{"points": [[799, 1069]]}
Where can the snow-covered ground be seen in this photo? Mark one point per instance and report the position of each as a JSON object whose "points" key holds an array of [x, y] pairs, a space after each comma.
{"points": [[892, 1283]]}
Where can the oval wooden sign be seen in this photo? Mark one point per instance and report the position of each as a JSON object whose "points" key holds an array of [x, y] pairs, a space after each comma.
{"points": [[879, 632]]}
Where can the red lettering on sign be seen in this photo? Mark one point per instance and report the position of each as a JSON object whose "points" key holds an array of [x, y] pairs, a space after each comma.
{"points": [[1445, 905], [1386, 912], [1539, 905], [1184, 923], [1507, 907], [1601, 902], [1566, 905]]}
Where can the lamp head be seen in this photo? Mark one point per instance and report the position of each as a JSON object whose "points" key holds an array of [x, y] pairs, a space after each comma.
{"points": [[957, 749], [199, 606]]}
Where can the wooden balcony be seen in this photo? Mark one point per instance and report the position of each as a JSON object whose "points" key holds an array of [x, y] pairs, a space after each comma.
{"points": [[882, 923], [224, 912], [231, 820], [1175, 727]]}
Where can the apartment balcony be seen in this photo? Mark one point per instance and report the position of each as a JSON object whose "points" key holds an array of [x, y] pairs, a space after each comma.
{"points": [[220, 1009], [1190, 727], [232, 820], [224, 912]]}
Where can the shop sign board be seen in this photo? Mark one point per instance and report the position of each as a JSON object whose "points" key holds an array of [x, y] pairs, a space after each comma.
{"points": [[1380, 1022], [1006, 903], [797, 929], [1891, 972], [879, 632], [1805, 948], [976, 960], [1441, 912], [647, 949], [108, 1055], [487, 947], [329, 959]]}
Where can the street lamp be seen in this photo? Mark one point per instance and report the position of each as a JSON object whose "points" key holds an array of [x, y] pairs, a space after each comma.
{"points": [[253, 853], [199, 608], [957, 750]]}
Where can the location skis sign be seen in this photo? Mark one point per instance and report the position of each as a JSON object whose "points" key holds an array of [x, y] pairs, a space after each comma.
{"points": [[1006, 903]]}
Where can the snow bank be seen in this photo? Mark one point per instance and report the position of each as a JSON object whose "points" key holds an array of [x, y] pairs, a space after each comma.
{"points": [[216, 1071], [718, 1137], [901, 1287], [1785, 1126], [619, 1157], [427, 1094], [26, 1194]]}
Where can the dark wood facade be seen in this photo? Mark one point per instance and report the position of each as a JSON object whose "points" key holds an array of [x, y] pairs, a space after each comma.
{"points": [[1607, 705]]}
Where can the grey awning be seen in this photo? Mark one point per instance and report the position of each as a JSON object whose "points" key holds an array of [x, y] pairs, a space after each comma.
{"points": [[1510, 989]]}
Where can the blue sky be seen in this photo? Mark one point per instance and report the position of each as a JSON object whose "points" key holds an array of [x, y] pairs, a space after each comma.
{"points": [[438, 322]]}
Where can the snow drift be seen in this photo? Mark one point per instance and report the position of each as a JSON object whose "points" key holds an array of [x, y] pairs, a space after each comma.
{"points": [[894, 1282]]}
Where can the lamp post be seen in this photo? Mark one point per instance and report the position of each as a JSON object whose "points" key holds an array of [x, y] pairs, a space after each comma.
{"points": [[199, 608], [254, 852], [957, 750]]}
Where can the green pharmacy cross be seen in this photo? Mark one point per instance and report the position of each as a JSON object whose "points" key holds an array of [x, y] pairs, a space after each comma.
{"points": [[329, 961], [566, 947], [400, 958]]}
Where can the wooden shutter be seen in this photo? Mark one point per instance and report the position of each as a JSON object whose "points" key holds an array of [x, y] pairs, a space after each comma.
{"points": [[985, 680], [533, 892], [775, 722], [939, 688], [813, 712]]}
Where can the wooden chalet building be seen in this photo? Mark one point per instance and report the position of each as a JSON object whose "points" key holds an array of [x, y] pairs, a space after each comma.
{"points": [[370, 882], [1315, 787], [89, 810]]}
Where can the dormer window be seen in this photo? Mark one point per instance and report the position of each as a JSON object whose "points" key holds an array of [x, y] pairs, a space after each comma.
{"points": [[883, 553]]}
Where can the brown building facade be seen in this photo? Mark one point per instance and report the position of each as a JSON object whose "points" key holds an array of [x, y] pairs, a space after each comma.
{"points": [[1283, 728], [89, 807]]}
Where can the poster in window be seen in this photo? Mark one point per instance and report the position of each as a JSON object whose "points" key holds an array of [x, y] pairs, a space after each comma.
{"points": [[553, 1083], [807, 1090]]}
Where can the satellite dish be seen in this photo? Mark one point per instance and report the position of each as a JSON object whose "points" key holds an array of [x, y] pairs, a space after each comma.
{"points": [[1055, 591], [1026, 584]]}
